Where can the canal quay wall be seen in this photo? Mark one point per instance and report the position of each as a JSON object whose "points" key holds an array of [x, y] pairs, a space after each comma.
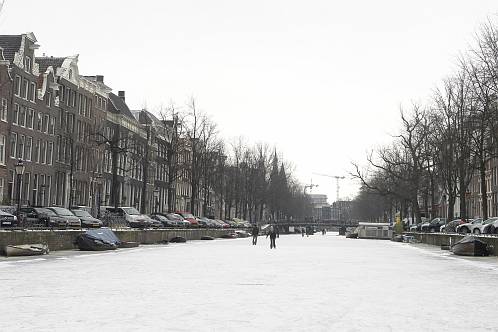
{"points": [[64, 239], [437, 239]]}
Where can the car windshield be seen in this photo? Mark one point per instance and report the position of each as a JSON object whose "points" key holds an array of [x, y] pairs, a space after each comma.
{"points": [[187, 215], [159, 217], [62, 211], [490, 221], [48, 212], [81, 213], [131, 211]]}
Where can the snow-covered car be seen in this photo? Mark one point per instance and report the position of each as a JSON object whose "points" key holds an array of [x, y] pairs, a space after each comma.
{"points": [[132, 216], [87, 220], [452, 225], [433, 226], [469, 226], [180, 221]]}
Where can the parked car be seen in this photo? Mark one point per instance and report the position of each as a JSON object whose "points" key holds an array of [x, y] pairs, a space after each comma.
{"points": [[416, 227], [452, 225], [433, 226], [7, 219], [488, 226], [164, 220], [181, 222], [132, 217], [71, 219], [468, 227], [37, 216], [189, 217], [87, 220]]}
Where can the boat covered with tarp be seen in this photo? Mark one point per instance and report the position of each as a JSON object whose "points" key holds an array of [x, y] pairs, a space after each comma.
{"points": [[101, 239], [471, 246], [26, 250]]}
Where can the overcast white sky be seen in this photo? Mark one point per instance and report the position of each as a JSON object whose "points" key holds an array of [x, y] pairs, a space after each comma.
{"points": [[321, 80]]}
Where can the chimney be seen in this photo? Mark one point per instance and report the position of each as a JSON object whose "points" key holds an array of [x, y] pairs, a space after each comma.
{"points": [[121, 94], [100, 78]]}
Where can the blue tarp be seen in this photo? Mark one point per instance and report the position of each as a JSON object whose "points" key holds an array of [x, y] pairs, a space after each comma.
{"points": [[104, 235]]}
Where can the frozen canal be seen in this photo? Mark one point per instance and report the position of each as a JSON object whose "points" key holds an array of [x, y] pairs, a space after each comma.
{"points": [[320, 283]]}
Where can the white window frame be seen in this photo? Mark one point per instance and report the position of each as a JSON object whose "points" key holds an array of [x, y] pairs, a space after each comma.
{"points": [[3, 110], [3, 147], [13, 151]]}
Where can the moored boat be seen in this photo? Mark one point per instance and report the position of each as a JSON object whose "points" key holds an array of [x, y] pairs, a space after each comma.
{"points": [[352, 235], [470, 246], [178, 239], [206, 237], [98, 240], [26, 250], [129, 244]]}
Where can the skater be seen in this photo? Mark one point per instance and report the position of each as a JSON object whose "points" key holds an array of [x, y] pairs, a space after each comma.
{"points": [[302, 232], [273, 235], [324, 231], [255, 233]]}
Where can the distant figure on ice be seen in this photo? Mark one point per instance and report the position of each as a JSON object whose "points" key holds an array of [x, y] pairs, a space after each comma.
{"points": [[273, 235], [324, 231], [302, 232], [255, 233]]}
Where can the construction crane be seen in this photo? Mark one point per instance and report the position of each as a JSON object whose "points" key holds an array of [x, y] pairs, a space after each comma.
{"points": [[337, 178]]}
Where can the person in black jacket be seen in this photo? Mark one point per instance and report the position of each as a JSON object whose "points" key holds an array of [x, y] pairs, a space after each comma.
{"points": [[255, 233], [273, 235]]}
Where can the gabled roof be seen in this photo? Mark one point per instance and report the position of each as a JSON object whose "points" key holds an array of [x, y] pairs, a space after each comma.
{"points": [[45, 62], [118, 106], [10, 45]]}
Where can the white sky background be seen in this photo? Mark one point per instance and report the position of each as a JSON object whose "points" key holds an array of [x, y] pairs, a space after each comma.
{"points": [[321, 80]]}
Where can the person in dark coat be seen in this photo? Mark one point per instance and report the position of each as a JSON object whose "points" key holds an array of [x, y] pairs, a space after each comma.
{"points": [[273, 235], [302, 231], [255, 233]]}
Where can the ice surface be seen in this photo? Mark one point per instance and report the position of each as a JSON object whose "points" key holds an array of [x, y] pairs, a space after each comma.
{"points": [[320, 283]]}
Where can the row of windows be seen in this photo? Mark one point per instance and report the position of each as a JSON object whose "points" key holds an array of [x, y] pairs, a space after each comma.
{"points": [[27, 117], [25, 148], [24, 89]]}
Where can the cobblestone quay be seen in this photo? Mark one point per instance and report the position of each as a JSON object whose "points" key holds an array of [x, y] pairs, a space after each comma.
{"points": [[64, 239]]}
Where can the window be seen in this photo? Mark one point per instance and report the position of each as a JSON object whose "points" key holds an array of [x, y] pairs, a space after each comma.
{"points": [[32, 91], [2, 189], [28, 148], [15, 116], [48, 99], [30, 117], [50, 152], [3, 110], [2, 150], [43, 153], [22, 116], [45, 123], [25, 84], [13, 145], [27, 64], [62, 93], [20, 147], [51, 126], [36, 151], [39, 120], [17, 86]]}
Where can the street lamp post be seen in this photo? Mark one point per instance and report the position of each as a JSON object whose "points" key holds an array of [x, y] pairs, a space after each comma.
{"points": [[19, 171], [99, 189]]}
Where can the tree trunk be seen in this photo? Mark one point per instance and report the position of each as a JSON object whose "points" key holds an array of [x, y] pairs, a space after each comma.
{"points": [[484, 195]]}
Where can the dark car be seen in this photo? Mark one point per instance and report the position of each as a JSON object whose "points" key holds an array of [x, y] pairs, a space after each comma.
{"points": [[163, 219], [434, 225], [87, 220], [41, 217], [71, 220], [452, 225], [7, 219]]}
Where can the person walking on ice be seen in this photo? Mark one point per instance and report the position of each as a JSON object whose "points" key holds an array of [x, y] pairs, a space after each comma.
{"points": [[255, 233], [273, 235]]}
